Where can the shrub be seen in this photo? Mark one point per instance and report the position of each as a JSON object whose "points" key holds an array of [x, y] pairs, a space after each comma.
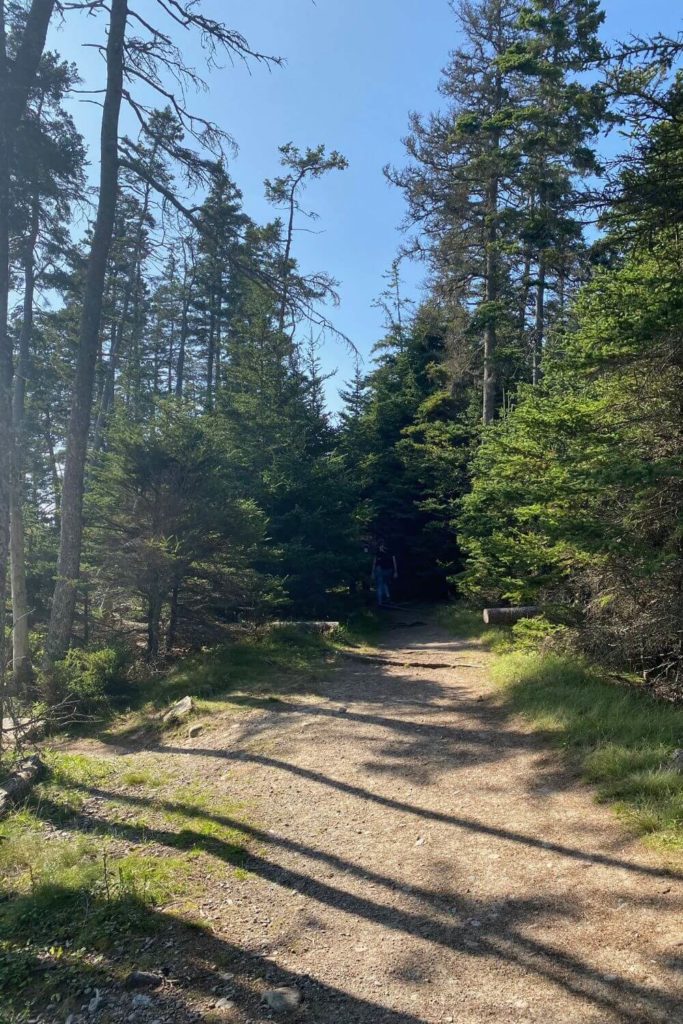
{"points": [[540, 634], [90, 676]]}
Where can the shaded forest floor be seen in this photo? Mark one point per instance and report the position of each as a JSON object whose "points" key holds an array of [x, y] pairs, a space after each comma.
{"points": [[378, 831]]}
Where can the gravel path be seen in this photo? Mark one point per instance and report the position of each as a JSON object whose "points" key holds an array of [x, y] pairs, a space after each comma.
{"points": [[426, 859]]}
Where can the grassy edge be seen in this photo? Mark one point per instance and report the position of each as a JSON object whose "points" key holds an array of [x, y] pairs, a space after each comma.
{"points": [[618, 738], [120, 875]]}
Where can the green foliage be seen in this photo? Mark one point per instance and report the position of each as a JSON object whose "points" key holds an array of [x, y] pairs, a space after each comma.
{"points": [[90, 676], [576, 496], [405, 440], [169, 525], [539, 634]]}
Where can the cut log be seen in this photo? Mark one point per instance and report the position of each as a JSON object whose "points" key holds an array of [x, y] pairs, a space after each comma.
{"points": [[506, 616], [20, 782]]}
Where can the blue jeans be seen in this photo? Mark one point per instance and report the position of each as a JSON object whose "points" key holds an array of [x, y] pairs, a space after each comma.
{"points": [[382, 577]]}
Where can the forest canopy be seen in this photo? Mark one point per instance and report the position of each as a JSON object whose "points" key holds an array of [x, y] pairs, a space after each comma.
{"points": [[168, 462]]}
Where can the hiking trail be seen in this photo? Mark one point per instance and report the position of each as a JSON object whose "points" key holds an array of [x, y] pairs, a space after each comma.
{"points": [[419, 857]]}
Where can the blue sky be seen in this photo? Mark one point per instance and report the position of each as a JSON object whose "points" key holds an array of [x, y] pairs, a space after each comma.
{"points": [[353, 70]]}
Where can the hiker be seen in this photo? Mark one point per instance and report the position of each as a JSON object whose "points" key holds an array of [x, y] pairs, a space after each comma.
{"points": [[384, 568]]}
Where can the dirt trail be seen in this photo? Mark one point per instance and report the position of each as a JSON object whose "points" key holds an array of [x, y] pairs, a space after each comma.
{"points": [[425, 859]]}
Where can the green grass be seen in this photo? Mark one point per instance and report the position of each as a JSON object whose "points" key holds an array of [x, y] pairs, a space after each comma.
{"points": [[143, 777], [70, 896], [619, 737], [265, 665], [468, 624], [363, 627]]}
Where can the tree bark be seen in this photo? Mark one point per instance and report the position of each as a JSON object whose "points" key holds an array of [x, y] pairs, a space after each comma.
{"points": [[173, 619], [56, 481], [71, 534], [490, 296], [287, 255], [20, 782], [490, 382], [153, 623], [182, 344], [21, 658], [539, 328], [15, 85], [210, 353], [120, 326]]}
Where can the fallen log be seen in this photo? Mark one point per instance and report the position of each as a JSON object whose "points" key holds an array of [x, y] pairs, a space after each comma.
{"points": [[20, 782], [506, 616]]}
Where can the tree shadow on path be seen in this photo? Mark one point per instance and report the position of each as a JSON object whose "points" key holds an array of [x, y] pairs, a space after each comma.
{"points": [[442, 919]]}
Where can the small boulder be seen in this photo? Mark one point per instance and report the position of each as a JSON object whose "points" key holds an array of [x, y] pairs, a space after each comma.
{"points": [[95, 1002], [141, 1002], [143, 979], [224, 1004], [195, 730], [676, 760], [180, 710], [282, 1000]]}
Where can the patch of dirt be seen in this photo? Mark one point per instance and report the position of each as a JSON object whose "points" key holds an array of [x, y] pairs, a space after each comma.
{"points": [[423, 859]]}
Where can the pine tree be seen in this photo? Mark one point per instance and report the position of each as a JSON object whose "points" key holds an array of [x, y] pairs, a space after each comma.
{"points": [[169, 526], [459, 183], [557, 124]]}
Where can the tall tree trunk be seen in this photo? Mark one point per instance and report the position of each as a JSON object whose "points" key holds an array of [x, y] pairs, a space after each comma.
{"points": [[217, 376], [210, 355], [188, 281], [539, 327], [5, 354], [71, 534], [15, 85], [21, 659], [182, 345], [153, 623], [117, 334], [287, 255], [490, 296], [524, 294], [56, 481], [173, 619], [170, 358]]}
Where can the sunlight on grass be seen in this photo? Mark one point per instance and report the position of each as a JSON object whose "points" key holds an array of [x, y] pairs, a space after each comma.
{"points": [[621, 738], [66, 895], [468, 624], [143, 777], [231, 678]]}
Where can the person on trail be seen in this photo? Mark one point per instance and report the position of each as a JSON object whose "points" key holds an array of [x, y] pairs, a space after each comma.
{"points": [[384, 568]]}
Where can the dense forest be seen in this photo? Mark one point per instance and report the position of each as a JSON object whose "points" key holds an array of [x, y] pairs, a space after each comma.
{"points": [[168, 464]]}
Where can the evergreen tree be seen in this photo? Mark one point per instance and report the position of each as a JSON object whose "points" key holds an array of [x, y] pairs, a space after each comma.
{"points": [[170, 529], [460, 182]]}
